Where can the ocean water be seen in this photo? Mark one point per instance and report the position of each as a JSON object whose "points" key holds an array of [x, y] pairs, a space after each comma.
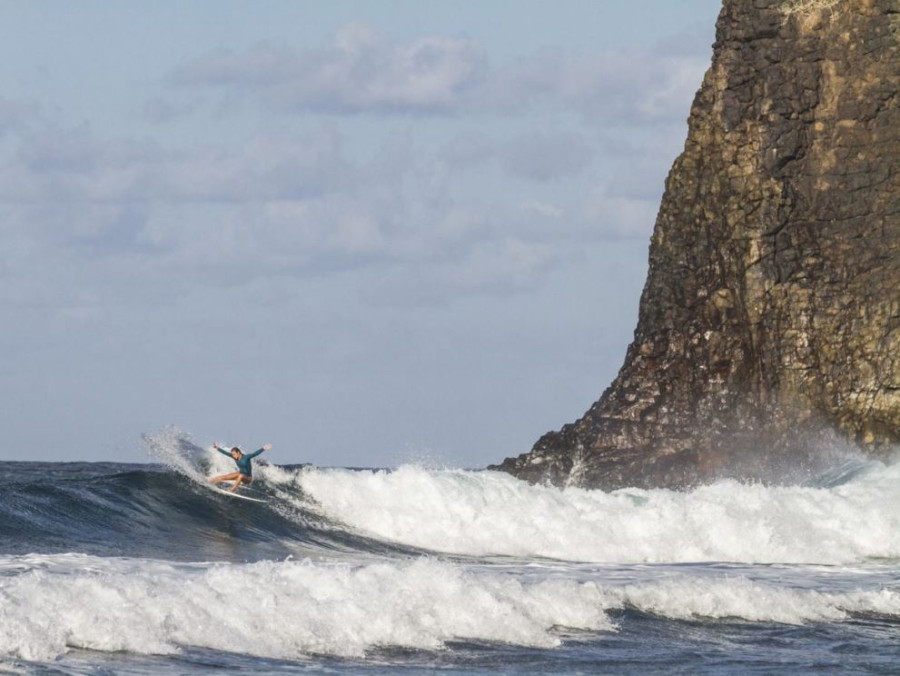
{"points": [[141, 569]]}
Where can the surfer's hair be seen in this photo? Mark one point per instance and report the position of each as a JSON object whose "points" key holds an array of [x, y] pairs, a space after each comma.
{"points": [[235, 448]]}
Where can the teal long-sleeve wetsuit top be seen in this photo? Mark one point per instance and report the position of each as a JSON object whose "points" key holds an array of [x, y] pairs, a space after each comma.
{"points": [[244, 465]]}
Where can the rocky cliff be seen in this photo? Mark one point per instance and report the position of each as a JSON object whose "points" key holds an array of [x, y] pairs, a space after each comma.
{"points": [[771, 310]]}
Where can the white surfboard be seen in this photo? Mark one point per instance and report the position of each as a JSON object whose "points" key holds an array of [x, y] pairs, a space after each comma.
{"points": [[227, 492]]}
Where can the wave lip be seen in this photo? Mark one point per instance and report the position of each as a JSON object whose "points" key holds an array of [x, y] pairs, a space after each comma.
{"points": [[493, 514]]}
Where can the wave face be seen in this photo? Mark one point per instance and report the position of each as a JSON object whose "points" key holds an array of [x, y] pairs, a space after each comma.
{"points": [[162, 511], [167, 511], [852, 515], [288, 609]]}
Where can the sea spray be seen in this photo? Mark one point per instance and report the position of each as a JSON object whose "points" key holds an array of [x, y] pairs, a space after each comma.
{"points": [[176, 450]]}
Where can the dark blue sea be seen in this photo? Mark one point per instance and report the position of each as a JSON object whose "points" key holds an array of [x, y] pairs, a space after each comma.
{"points": [[142, 569]]}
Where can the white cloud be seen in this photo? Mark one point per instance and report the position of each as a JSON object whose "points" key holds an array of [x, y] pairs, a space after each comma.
{"points": [[362, 70], [77, 166], [636, 86], [298, 206], [269, 206]]}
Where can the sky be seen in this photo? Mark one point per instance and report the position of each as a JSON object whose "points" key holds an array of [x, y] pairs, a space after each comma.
{"points": [[370, 233]]}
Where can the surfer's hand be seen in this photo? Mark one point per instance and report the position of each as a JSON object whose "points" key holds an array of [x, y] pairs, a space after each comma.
{"points": [[267, 447]]}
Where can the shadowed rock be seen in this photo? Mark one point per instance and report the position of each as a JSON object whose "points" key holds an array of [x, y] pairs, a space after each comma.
{"points": [[771, 311]]}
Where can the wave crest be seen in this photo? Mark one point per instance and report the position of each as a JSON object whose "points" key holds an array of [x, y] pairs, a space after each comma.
{"points": [[489, 513]]}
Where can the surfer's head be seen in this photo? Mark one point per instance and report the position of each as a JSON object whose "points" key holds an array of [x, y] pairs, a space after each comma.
{"points": [[236, 453]]}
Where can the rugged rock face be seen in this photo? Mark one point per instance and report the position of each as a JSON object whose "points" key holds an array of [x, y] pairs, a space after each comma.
{"points": [[771, 310]]}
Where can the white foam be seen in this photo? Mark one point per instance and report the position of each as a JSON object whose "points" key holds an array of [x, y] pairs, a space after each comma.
{"points": [[688, 598], [490, 513], [278, 609], [287, 609]]}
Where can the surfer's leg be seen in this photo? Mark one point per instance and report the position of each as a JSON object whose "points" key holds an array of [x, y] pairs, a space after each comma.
{"points": [[224, 477], [240, 479]]}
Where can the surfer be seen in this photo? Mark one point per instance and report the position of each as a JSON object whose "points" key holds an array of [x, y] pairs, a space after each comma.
{"points": [[244, 475]]}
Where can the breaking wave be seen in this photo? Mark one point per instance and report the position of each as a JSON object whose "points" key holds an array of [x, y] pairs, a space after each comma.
{"points": [[169, 512], [286, 609], [488, 513]]}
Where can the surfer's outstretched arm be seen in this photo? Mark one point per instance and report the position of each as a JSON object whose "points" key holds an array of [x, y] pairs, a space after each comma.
{"points": [[255, 453], [221, 450]]}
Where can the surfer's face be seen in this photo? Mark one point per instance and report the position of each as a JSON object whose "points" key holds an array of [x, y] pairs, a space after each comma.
{"points": [[236, 454]]}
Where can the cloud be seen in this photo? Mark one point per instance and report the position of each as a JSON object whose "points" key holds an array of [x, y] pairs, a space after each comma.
{"points": [[301, 206], [272, 205], [634, 86], [76, 166], [362, 71]]}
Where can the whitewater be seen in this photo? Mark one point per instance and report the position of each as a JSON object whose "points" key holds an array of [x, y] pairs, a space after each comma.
{"points": [[488, 513], [141, 568]]}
